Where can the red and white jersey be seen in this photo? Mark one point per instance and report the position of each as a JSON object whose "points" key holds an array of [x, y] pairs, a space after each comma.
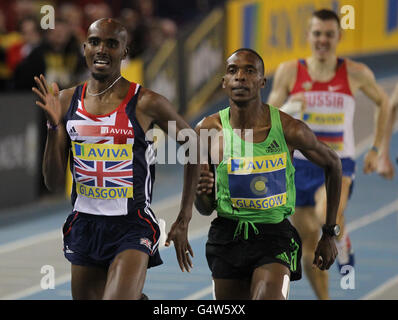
{"points": [[330, 109], [112, 163]]}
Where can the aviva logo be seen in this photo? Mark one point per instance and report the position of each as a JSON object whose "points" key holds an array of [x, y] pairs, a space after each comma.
{"points": [[258, 164], [324, 119], [115, 152]]}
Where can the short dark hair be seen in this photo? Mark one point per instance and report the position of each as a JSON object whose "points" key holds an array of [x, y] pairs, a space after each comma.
{"points": [[253, 52], [326, 14]]}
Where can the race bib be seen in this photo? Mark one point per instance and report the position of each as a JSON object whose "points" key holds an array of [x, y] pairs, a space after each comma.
{"points": [[257, 182], [103, 171]]}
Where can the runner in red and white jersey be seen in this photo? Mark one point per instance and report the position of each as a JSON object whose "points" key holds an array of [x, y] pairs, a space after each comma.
{"points": [[111, 238], [320, 91], [330, 108]]}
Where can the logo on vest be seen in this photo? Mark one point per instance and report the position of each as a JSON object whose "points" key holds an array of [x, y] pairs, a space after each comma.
{"points": [[273, 147], [307, 85], [73, 132]]}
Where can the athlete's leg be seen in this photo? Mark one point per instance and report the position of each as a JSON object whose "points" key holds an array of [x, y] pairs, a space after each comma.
{"points": [[307, 223], [88, 283], [232, 289], [270, 282], [126, 275]]}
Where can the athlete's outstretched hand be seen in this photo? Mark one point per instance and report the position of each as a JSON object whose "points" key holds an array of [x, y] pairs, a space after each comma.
{"points": [[325, 253], [50, 102], [179, 235]]}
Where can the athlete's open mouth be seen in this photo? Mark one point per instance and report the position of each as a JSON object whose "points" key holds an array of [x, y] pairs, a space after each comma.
{"points": [[101, 62]]}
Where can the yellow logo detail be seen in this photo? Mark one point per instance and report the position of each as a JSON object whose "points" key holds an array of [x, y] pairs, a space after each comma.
{"points": [[104, 193], [265, 203], [247, 165], [324, 119], [111, 152]]}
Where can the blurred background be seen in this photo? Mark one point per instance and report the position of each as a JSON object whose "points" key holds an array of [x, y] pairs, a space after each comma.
{"points": [[178, 49]]}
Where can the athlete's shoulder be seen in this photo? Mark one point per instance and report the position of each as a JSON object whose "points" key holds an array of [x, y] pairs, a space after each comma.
{"points": [[148, 96], [68, 92], [288, 66], [358, 70], [287, 121], [285, 74], [150, 101], [65, 97], [212, 121], [155, 107], [296, 131]]}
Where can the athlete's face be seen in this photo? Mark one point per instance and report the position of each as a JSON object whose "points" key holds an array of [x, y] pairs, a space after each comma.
{"points": [[324, 36], [105, 48], [244, 77]]}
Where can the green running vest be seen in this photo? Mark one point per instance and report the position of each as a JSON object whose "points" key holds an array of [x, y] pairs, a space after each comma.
{"points": [[258, 188]]}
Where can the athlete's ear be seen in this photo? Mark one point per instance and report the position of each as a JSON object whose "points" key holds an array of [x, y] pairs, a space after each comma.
{"points": [[126, 52], [264, 82], [223, 82]]}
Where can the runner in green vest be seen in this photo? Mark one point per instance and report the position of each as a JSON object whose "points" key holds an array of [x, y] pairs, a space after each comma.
{"points": [[253, 251]]}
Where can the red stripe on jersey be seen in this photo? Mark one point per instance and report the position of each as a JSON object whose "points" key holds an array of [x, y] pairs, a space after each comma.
{"points": [[339, 83], [122, 105], [121, 130], [330, 139], [70, 224]]}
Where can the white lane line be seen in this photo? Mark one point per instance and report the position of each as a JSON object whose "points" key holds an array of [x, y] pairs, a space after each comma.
{"points": [[199, 294], [35, 289], [29, 241], [373, 217], [365, 144], [374, 294]]}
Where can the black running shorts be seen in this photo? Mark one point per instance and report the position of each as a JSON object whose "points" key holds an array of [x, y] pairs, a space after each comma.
{"points": [[237, 258]]}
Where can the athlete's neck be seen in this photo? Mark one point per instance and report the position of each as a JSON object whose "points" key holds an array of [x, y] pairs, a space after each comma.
{"points": [[322, 69], [248, 116], [98, 84], [322, 65]]}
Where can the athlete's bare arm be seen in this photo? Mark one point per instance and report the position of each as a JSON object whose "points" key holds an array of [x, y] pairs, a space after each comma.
{"points": [[283, 82], [55, 105], [394, 98], [154, 108], [362, 78], [299, 136], [205, 193], [385, 168]]}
